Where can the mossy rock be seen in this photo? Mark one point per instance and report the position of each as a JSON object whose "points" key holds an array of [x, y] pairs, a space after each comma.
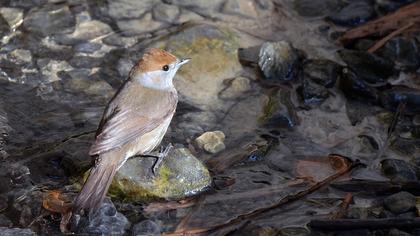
{"points": [[180, 175]]}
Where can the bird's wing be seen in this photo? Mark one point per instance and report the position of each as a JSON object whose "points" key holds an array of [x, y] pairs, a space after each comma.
{"points": [[120, 126]]}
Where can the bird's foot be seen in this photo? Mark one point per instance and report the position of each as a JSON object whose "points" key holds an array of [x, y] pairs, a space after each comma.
{"points": [[160, 157]]}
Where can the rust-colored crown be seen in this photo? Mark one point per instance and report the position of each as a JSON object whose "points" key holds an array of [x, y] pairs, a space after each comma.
{"points": [[154, 59]]}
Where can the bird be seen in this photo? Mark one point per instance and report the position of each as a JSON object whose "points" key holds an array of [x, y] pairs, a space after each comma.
{"points": [[133, 123]]}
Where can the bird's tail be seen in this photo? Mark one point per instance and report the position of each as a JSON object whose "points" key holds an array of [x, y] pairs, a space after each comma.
{"points": [[96, 185]]}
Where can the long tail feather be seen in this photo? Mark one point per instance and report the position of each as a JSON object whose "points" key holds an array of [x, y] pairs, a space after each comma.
{"points": [[96, 186]]}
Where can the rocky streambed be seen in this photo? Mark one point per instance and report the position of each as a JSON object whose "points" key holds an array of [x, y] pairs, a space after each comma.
{"points": [[284, 121]]}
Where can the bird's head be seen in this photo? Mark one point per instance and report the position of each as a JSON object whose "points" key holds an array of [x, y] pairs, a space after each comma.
{"points": [[156, 69]]}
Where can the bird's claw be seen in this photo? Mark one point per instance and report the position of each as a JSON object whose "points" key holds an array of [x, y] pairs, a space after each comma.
{"points": [[163, 152]]}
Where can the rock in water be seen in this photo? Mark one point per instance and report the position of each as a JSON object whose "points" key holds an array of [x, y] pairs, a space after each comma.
{"points": [[4, 231], [398, 170], [278, 111], [107, 221], [354, 87], [214, 50], [278, 60], [180, 175], [146, 227], [369, 67], [323, 72], [390, 99], [404, 52], [313, 92], [49, 20], [355, 13], [400, 202], [312, 8], [211, 141]]}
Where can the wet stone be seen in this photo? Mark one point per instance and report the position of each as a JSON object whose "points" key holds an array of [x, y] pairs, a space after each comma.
{"points": [[369, 67], [214, 50], [404, 52], [4, 27], [166, 13], [278, 111], [4, 231], [355, 13], [358, 232], [180, 175], [398, 170], [354, 87], [323, 72], [244, 8], [236, 87], [385, 6], [85, 62], [312, 8], [50, 20], [278, 61], [391, 98], [50, 68], [27, 3], [89, 30], [13, 16], [87, 47], [397, 232], [139, 26], [312, 92], [107, 221], [21, 56], [126, 9], [5, 222], [400, 202], [212, 142], [145, 228]]}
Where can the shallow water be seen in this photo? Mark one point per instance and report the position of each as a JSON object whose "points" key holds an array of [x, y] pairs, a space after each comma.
{"points": [[78, 53]]}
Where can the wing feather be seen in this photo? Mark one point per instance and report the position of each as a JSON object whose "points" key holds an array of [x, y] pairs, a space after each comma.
{"points": [[122, 125]]}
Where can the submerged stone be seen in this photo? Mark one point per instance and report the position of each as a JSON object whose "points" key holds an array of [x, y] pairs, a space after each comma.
{"points": [[400, 202], [311, 8], [211, 141], [404, 52], [13, 16], [398, 170], [106, 221], [385, 6], [180, 175], [146, 227], [312, 92], [323, 72], [354, 87], [49, 20], [214, 53], [369, 67], [355, 13], [278, 61], [4, 231], [390, 99], [278, 111]]}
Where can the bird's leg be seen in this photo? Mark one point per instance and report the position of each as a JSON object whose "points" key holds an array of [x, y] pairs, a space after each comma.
{"points": [[162, 154]]}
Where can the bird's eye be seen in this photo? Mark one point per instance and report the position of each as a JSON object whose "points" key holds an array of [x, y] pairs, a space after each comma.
{"points": [[165, 68]]}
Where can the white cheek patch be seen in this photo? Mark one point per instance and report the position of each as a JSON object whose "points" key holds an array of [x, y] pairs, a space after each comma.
{"points": [[160, 80]]}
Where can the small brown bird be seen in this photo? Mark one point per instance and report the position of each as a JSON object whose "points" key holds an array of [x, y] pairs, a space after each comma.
{"points": [[133, 123]]}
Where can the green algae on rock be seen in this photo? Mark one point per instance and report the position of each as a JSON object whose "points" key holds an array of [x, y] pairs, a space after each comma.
{"points": [[180, 175]]}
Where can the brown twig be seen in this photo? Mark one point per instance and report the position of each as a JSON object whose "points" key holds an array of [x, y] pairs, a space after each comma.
{"points": [[383, 41], [385, 24], [343, 207], [282, 202]]}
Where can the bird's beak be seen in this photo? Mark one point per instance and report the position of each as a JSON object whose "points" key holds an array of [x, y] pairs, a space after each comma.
{"points": [[183, 61]]}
